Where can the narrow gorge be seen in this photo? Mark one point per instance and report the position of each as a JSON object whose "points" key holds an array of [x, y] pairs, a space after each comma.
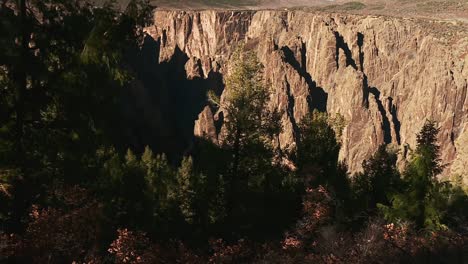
{"points": [[384, 75]]}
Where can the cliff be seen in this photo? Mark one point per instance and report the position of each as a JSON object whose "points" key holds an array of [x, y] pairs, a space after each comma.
{"points": [[385, 75]]}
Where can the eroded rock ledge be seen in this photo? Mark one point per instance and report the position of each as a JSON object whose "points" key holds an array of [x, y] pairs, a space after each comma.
{"points": [[386, 76]]}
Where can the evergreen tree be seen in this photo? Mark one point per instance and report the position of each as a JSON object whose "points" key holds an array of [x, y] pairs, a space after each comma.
{"points": [[121, 186], [197, 198], [380, 178], [62, 71], [318, 150], [253, 176], [250, 127], [187, 191], [161, 183], [317, 154], [422, 200]]}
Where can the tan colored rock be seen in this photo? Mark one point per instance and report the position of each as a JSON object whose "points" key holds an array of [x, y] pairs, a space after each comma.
{"points": [[460, 164], [385, 75], [204, 127]]}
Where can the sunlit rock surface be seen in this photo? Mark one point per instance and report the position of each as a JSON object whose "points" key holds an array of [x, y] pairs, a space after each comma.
{"points": [[385, 75]]}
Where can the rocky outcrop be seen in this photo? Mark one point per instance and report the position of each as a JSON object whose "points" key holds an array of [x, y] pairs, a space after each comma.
{"points": [[385, 75]]}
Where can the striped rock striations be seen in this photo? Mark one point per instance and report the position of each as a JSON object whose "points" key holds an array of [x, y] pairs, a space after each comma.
{"points": [[385, 75]]}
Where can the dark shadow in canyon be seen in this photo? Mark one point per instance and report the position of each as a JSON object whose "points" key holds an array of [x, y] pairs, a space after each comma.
{"points": [[292, 103], [383, 113], [341, 44], [317, 96], [367, 90], [395, 121], [162, 106]]}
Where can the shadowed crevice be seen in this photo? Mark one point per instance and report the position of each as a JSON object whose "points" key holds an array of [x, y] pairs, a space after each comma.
{"points": [[367, 90], [317, 96], [341, 44], [385, 122], [395, 121], [290, 110], [199, 68], [304, 56], [218, 122], [360, 42], [164, 37]]}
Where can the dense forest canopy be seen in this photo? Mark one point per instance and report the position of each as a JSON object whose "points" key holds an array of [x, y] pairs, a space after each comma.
{"points": [[75, 187]]}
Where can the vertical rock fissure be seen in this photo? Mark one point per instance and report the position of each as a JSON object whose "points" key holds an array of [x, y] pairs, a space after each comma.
{"points": [[374, 91], [365, 87], [290, 109], [385, 122], [303, 56], [395, 121], [317, 98], [341, 44], [360, 42], [164, 38]]}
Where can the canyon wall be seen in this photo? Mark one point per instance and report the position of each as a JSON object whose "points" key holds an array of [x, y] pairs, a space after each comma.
{"points": [[385, 75]]}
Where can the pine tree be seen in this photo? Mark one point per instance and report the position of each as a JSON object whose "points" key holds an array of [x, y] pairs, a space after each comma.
{"points": [[317, 149], [250, 127], [186, 190], [159, 177], [317, 154], [422, 200], [62, 71], [380, 178]]}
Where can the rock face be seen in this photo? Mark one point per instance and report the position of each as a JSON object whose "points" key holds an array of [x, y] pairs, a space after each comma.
{"points": [[386, 76]]}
